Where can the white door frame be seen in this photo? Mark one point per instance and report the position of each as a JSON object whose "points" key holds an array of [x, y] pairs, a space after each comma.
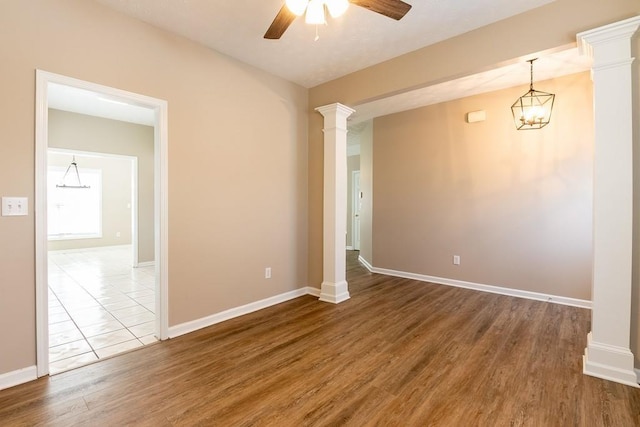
{"points": [[43, 79], [355, 210]]}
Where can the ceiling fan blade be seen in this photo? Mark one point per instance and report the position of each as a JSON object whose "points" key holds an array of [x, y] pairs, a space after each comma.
{"points": [[395, 9], [281, 22]]}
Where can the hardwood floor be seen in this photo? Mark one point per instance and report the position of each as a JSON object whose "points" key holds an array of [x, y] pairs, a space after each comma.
{"points": [[398, 353]]}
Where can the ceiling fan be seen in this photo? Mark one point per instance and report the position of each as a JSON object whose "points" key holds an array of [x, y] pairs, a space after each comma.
{"points": [[315, 12]]}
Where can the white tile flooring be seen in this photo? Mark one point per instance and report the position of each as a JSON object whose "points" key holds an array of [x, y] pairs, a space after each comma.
{"points": [[98, 305]]}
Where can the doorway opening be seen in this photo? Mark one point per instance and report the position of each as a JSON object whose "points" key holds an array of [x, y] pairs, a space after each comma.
{"points": [[99, 303], [355, 207], [102, 275], [353, 188]]}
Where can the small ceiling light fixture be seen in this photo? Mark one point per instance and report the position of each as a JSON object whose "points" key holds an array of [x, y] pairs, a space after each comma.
{"points": [[533, 109], [315, 9], [64, 184], [316, 12]]}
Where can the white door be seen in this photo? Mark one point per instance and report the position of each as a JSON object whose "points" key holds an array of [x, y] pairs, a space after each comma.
{"points": [[357, 202]]}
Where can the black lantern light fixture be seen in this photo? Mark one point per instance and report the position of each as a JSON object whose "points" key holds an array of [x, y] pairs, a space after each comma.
{"points": [[533, 109]]}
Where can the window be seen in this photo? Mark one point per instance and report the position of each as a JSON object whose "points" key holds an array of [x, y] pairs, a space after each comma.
{"points": [[74, 213]]}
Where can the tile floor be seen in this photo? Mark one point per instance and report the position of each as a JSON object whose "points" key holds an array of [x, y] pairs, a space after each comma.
{"points": [[98, 305]]}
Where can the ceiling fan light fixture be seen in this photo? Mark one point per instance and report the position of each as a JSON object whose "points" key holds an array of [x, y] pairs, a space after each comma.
{"points": [[337, 7], [315, 13], [297, 7]]}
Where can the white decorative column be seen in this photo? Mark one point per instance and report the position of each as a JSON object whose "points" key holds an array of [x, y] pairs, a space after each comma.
{"points": [[608, 354], [334, 284]]}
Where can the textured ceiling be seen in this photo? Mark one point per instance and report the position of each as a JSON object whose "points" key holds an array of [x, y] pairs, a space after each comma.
{"points": [[354, 41], [236, 28]]}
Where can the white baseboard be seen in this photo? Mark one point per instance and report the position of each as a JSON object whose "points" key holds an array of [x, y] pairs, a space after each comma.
{"points": [[365, 263], [145, 264], [334, 292], [194, 325], [315, 292], [484, 288], [90, 249], [18, 377], [349, 248], [609, 362]]}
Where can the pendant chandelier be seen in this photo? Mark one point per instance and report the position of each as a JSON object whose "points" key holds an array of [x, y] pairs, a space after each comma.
{"points": [[533, 109], [64, 184]]}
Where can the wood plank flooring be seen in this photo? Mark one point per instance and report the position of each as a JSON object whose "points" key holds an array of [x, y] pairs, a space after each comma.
{"points": [[398, 353]]}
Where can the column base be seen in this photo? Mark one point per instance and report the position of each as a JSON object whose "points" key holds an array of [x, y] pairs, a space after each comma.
{"points": [[334, 292], [609, 363]]}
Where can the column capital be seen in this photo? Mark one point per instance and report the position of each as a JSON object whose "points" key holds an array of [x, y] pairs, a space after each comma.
{"points": [[338, 109], [617, 33]]}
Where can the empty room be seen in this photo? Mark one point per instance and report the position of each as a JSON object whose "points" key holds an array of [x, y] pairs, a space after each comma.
{"points": [[363, 212]]}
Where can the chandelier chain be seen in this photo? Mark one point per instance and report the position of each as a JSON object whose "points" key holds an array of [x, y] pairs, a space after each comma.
{"points": [[531, 70]]}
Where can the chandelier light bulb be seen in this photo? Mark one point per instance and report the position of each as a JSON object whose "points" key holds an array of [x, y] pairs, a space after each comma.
{"points": [[533, 115]]}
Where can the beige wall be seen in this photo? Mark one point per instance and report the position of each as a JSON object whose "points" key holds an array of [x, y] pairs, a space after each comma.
{"points": [[516, 206], [96, 134], [353, 164], [116, 199], [366, 186], [237, 159], [554, 25]]}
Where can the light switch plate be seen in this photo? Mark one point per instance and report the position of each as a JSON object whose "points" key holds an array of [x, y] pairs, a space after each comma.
{"points": [[15, 206]]}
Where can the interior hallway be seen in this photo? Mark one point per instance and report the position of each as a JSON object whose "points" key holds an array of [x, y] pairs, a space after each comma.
{"points": [[98, 305]]}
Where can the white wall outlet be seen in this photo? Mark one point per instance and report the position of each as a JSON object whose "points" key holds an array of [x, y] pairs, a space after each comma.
{"points": [[117, 234], [267, 273], [15, 206], [456, 260]]}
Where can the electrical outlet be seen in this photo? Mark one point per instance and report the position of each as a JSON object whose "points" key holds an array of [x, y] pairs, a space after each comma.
{"points": [[267, 273], [456, 260]]}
